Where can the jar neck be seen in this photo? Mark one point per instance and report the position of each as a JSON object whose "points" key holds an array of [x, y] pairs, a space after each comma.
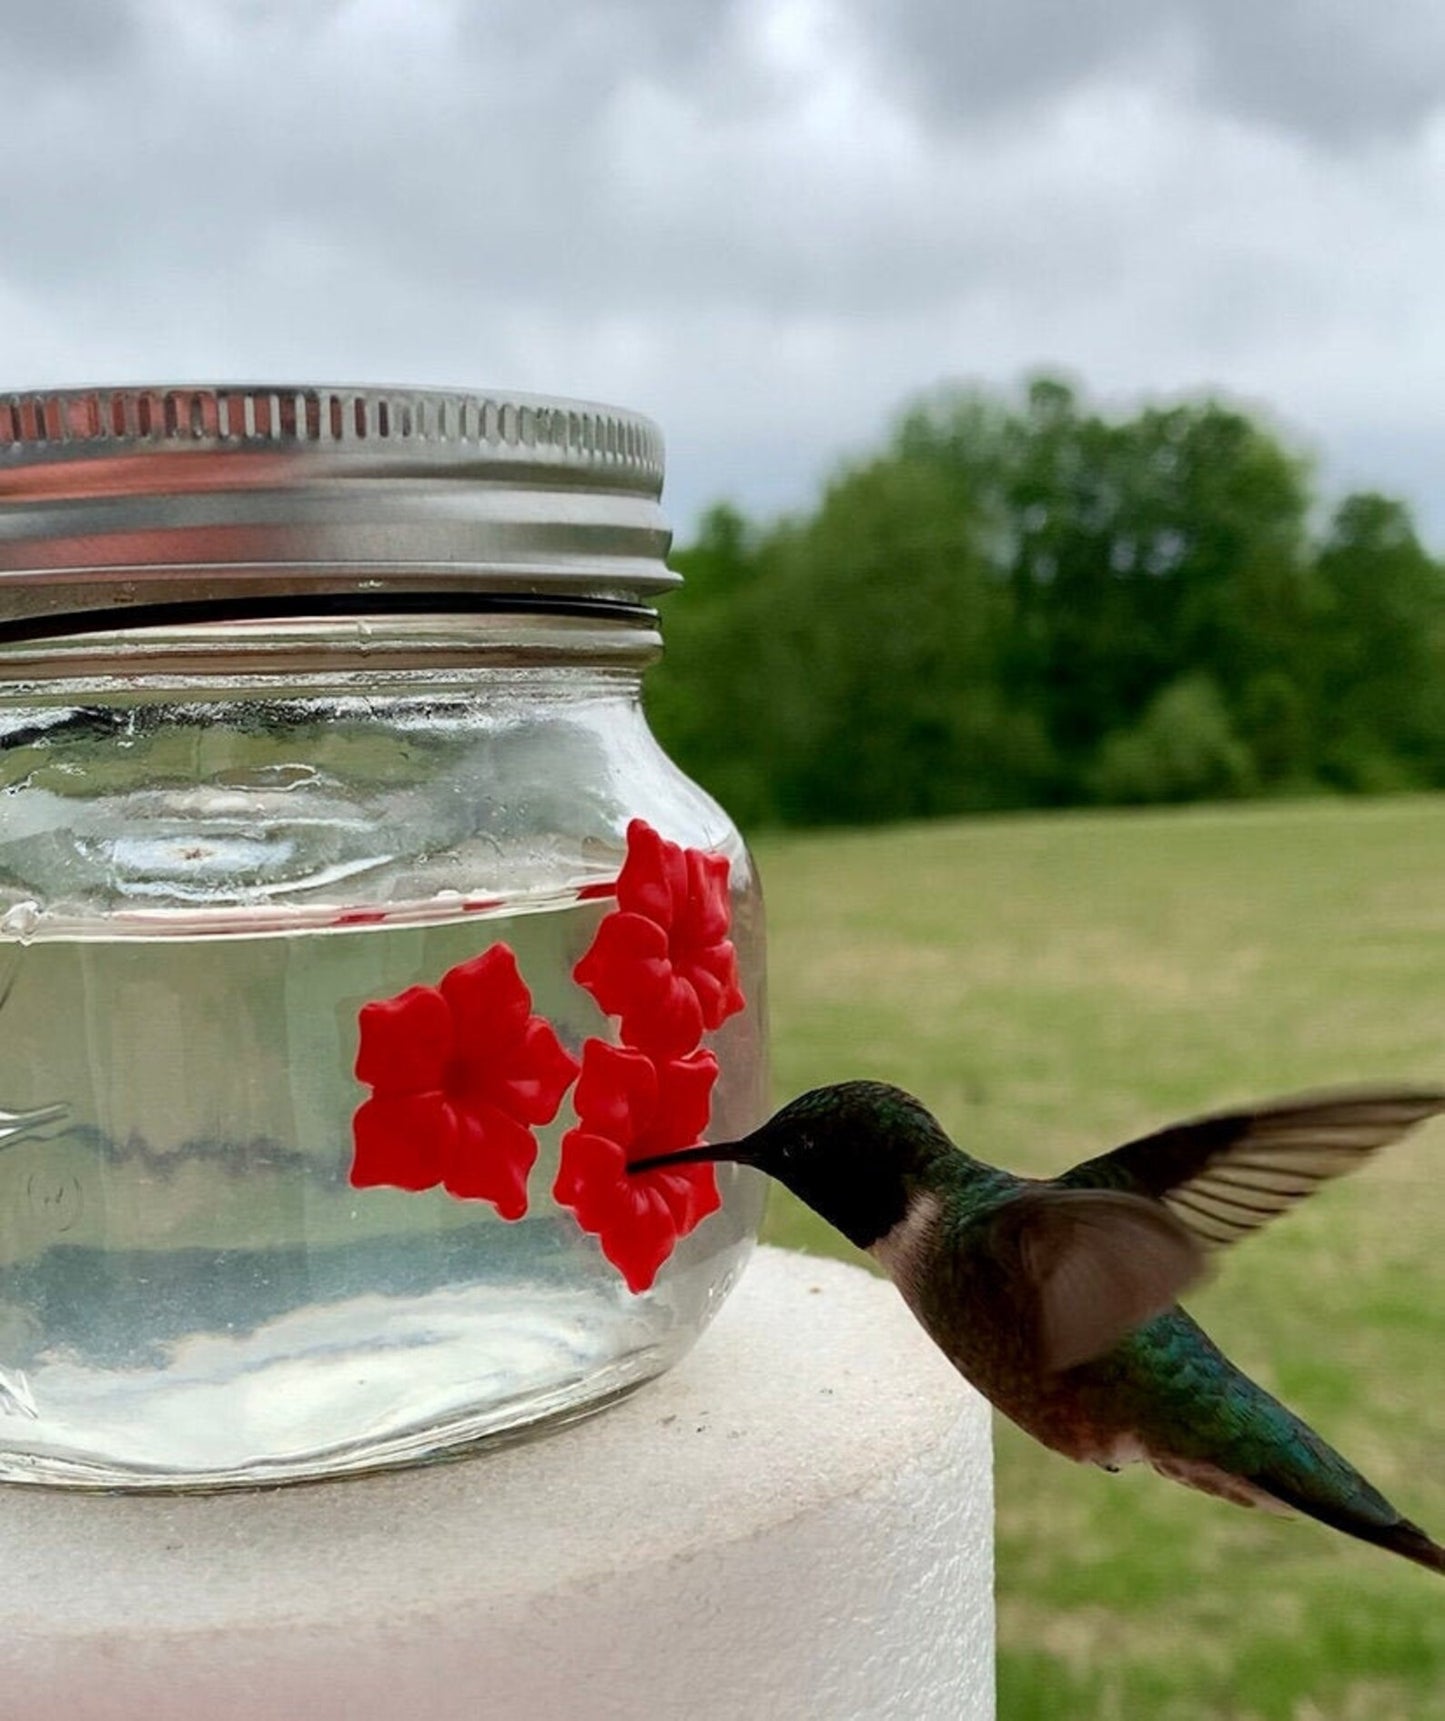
{"points": [[386, 652]]}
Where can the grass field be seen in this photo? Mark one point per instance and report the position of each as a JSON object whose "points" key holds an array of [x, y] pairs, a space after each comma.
{"points": [[1051, 985]]}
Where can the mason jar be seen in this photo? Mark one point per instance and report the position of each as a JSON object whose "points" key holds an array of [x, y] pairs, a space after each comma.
{"points": [[354, 932]]}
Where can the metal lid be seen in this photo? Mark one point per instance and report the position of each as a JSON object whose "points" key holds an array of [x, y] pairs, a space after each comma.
{"points": [[131, 507]]}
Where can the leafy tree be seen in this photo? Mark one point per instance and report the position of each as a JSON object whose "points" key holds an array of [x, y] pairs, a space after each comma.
{"points": [[890, 629], [1381, 661], [1183, 749], [1134, 548], [708, 698], [1030, 601]]}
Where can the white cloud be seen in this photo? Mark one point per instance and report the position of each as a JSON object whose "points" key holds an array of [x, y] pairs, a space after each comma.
{"points": [[766, 222]]}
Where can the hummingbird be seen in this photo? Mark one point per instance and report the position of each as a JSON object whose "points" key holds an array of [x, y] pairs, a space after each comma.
{"points": [[1056, 1297]]}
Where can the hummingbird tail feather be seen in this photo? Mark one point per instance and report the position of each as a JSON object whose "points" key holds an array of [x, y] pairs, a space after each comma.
{"points": [[1395, 1534], [1411, 1541], [1309, 1477], [1402, 1538]]}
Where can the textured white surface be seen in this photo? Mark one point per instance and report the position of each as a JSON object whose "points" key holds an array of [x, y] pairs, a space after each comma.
{"points": [[796, 1522]]}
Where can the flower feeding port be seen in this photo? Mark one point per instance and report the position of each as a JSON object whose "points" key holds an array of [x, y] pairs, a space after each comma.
{"points": [[461, 1073]]}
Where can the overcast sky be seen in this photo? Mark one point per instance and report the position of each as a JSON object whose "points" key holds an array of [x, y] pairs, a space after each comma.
{"points": [[767, 223]]}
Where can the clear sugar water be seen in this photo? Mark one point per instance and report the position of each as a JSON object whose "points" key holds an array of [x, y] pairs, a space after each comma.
{"points": [[191, 1293]]}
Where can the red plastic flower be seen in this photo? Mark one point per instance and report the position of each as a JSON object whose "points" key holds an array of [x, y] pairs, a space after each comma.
{"points": [[662, 961], [459, 1075], [629, 1106]]}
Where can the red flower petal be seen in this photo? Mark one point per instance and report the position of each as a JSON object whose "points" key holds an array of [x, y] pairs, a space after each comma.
{"points": [[661, 962], [542, 1073], [401, 1141], [706, 1197], [691, 1193], [490, 1003], [632, 1222], [616, 1092], [406, 1042], [631, 1105], [683, 1106], [713, 975], [706, 911], [640, 1247], [653, 880], [590, 1168], [491, 1157], [630, 973], [460, 1072], [666, 1023], [626, 961]]}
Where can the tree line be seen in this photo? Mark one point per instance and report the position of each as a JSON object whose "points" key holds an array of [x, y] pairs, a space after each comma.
{"points": [[1029, 602]]}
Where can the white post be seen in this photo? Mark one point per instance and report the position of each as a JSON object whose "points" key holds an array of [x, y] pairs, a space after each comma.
{"points": [[796, 1522]]}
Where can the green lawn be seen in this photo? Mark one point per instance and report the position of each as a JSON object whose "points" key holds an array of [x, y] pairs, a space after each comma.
{"points": [[1053, 984]]}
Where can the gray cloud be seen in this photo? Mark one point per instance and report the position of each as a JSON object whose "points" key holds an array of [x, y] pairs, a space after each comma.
{"points": [[68, 35], [766, 221], [1330, 69]]}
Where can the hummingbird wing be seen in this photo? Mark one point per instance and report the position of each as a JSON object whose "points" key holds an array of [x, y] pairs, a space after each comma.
{"points": [[1227, 1174], [1091, 1264]]}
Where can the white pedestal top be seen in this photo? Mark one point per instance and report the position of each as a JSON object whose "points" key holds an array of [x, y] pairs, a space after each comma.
{"points": [[795, 1522]]}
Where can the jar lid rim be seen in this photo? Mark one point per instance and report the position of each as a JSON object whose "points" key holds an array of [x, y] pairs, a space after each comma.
{"points": [[153, 496], [508, 428]]}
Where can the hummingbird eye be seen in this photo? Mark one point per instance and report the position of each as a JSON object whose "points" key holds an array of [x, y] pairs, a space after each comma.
{"points": [[792, 1147]]}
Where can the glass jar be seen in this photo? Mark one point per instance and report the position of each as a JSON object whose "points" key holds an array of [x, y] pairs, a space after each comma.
{"points": [[321, 735]]}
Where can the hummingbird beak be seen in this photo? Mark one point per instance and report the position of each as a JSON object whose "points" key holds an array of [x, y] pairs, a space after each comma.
{"points": [[739, 1152]]}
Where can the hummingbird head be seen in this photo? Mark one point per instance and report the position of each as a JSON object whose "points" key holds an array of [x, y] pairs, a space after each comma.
{"points": [[856, 1152]]}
